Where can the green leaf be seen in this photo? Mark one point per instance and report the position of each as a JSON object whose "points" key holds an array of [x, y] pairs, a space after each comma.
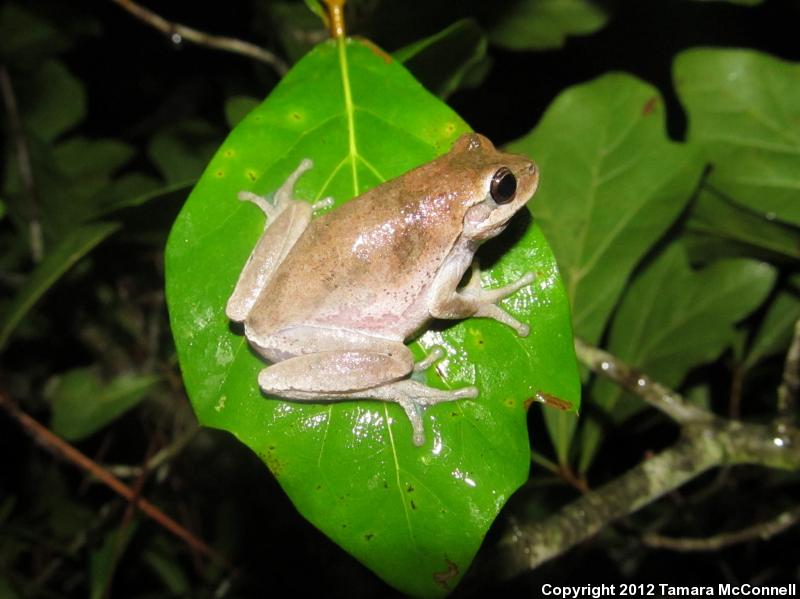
{"points": [[612, 183], [82, 403], [52, 100], [775, 332], [182, 151], [744, 109], [447, 60], [673, 319], [66, 253], [237, 107], [25, 38], [714, 216], [415, 515], [543, 24]]}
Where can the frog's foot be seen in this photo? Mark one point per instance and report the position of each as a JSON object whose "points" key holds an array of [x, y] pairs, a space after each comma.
{"points": [[283, 196], [486, 300], [414, 397]]}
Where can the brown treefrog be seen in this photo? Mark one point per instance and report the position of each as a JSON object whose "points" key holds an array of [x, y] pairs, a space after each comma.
{"points": [[330, 300]]}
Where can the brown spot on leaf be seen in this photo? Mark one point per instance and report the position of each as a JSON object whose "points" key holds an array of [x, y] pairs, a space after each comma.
{"points": [[650, 106], [551, 401], [442, 578]]}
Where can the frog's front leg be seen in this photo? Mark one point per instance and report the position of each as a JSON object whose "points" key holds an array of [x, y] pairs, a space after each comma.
{"points": [[449, 302], [287, 218], [363, 373]]}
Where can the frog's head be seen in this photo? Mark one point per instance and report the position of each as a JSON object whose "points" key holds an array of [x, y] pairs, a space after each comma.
{"points": [[501, 183]]}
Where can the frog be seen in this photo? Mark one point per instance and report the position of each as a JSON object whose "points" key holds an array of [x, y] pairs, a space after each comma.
{"points": [[329, 300]]}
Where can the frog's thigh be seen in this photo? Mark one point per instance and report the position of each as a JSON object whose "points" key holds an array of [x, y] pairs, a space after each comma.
{"points": [[275, 243], [336, 374]]}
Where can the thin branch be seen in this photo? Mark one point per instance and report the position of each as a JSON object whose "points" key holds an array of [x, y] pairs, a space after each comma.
{"points": [[790, 385], [177, 33], [62, 449], [23, 164], [762, 531], [655, 394], [704, 446]]}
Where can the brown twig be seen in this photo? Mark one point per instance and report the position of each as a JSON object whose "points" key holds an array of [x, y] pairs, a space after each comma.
{"points": [[177, 33], [761, 531], [23, 164], [62, 449], [655, 394], [704, 446]]}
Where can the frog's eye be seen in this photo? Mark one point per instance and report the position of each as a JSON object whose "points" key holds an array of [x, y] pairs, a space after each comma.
{"points": [[504, 186]]}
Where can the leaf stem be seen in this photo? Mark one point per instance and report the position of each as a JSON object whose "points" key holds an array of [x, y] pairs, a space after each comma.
{"points": [[336, 18]]}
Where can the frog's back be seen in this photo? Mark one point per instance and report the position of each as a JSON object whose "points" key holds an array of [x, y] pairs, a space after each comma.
{"points": [[367, 265]]}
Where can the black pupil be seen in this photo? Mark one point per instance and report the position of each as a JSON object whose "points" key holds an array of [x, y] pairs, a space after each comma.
{"points": [[504, 186]]}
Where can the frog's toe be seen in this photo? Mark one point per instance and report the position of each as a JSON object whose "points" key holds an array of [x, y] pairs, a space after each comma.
{"points": [[436, 354]]}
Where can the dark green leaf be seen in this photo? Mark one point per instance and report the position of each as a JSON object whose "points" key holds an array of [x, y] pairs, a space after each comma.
{"points": [[444, 62], [775, 332], [182, 151], [414, 515], [744, 109], [169, 571], [82, 403], [672, 319], [25, 38], [541, 24], [237, 107], [103, 561], [612, 183], [69, 250], [715, 216], [52, 100]]}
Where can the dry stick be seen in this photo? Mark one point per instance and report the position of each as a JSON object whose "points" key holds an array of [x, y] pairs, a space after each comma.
{"points": [[762, 531], [178, 32], [23, 163], [61, 448]]}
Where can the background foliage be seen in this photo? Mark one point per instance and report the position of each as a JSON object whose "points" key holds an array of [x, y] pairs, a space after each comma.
{"points": [[684, 269]]}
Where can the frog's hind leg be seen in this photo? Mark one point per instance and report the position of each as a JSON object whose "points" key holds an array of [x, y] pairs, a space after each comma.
{"points": [[358, 374]]}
